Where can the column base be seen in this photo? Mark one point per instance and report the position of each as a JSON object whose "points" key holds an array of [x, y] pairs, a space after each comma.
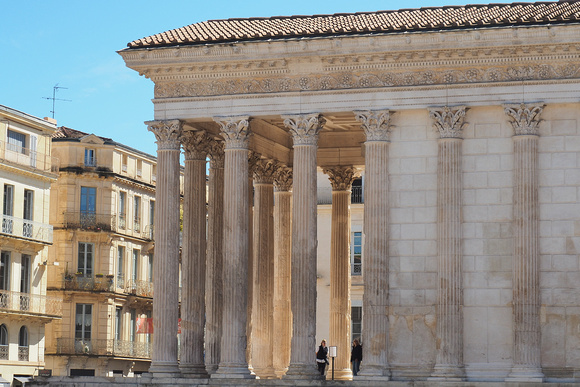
{"points": [[265, 373], [302, 371], [375, 373], [164, 369], [525, 374], [194, 371], [448, 372], [211, 368], [344, 374], [233, 372]]}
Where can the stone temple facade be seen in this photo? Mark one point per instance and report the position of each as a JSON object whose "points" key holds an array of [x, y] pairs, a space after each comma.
{"points": [[465, 121]]}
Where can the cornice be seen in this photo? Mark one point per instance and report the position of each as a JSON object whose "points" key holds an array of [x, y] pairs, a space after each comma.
{"points": [[30, 172]]}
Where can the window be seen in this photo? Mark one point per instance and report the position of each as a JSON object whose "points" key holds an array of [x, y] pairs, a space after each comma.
{"points": [[118, 322], [8, 209], [356, 253], [154, 173], [90, 157], [120, 262], [5, 270], [133, 325], [23, 344], [151, 218], [122, 209], [137, 213], [150, 267], [28, 213], [16, 142], [3, 342], [135, 265], [25, 282], [356, 319], [148, 335], [83, 322], [139, 168], [356, 195], [124, 163], [88, 206], [85, 264]]}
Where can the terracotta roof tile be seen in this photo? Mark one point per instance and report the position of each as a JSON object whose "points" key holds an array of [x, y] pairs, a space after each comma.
{"points": [[423, 19]]}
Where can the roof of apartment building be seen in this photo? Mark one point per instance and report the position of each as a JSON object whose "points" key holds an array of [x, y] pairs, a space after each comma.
{"points": [[410, 20], [68, 134]]}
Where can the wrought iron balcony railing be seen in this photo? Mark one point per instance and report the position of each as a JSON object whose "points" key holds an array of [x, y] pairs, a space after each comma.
{"points": [[3, 352], [30, 303], [23, 353], [325, 195], [81, 282], [108, 347], [139, 287], [356, 269], [149, 232], [89, 221], [27, 157], [28, 229]]}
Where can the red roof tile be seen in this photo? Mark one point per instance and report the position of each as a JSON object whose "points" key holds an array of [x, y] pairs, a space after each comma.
{"points": [[423, 19]]}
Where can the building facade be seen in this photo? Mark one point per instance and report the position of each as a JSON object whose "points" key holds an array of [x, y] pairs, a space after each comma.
{"points": [[101, 263], [27, 170], [465, 122]]}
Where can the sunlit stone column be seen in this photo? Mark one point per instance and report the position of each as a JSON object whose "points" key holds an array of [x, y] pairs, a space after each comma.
{"points": [[214, 269], [375, 330], [253, 159], [341, 180], [304, 130], [449, 123], [263, 309], [527, 364], [233, 362], [166, 263], [282, 269], [193, 256]]}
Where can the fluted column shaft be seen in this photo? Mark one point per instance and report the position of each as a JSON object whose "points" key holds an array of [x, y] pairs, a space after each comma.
{"points": [[526, 255], [341, 180], [304, 131], [282, 270], [376, 254], [193, 258], [166, 263], [215, 224], [449, 122], [235, 275]]}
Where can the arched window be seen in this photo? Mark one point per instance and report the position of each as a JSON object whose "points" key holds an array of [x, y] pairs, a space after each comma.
{"points": [[3, 342], [23, 344]]}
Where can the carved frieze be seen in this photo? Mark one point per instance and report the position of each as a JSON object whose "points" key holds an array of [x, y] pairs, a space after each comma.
{"points": [[448, 121], [235, 130], [167, 133], [524, 118], [341, 178], [375, 123], [304, 128]]}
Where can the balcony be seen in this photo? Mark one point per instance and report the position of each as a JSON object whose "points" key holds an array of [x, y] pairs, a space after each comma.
{"points": [[325, 195], [23, 228], [89, 221], [149, 232], [3, 352], [139, 288], [23, 353], [27, 157], [95, 284], [16, 302], [118, 348]]}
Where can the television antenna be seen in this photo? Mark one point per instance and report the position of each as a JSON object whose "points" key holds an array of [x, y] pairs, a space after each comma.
{"points": [[53, 98]]}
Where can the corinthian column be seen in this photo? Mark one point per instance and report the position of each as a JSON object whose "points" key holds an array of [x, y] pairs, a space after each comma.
{"points": [[341, 180], [233, 362], [282, 268], [526, 259], [193, 256], [375, 331], [166, 263], [449, 124], [214, 269], [304, 130], [263, 309]]}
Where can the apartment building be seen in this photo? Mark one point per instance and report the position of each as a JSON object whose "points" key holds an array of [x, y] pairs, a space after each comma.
{"points": [[27, 170], [101, 263]]}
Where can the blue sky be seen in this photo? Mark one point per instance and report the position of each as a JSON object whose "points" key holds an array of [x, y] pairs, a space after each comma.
{"points": [[73, 43]]}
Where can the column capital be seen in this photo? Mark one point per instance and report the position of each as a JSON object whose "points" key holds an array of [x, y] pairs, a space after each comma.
{"points": [[375, 123], [166, 133], [448, 121], [304, 127], [524, 118], [283, 178], [264, 171], [235, 131], [340, 177], [195, 144], [253, 159], [216, 153]]}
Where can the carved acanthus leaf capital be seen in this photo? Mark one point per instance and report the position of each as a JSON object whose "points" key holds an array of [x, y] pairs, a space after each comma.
{"points": [[341, 178], [195, 144], [524, 118], [283, 178], [264, 171], [375, 123], [216, 153], [235, 131], [166, 133], [448, 121], [304, 127]]}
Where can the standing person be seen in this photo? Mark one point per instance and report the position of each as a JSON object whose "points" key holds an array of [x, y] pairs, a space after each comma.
{"points": [[356, 357], [322, 357]]}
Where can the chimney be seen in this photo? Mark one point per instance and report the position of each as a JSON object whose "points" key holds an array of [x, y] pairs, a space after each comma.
{"points": [[51, 120]]}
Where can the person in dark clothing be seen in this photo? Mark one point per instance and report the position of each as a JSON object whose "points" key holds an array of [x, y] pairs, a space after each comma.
{"points": [[356, 357], [322, 357]]}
